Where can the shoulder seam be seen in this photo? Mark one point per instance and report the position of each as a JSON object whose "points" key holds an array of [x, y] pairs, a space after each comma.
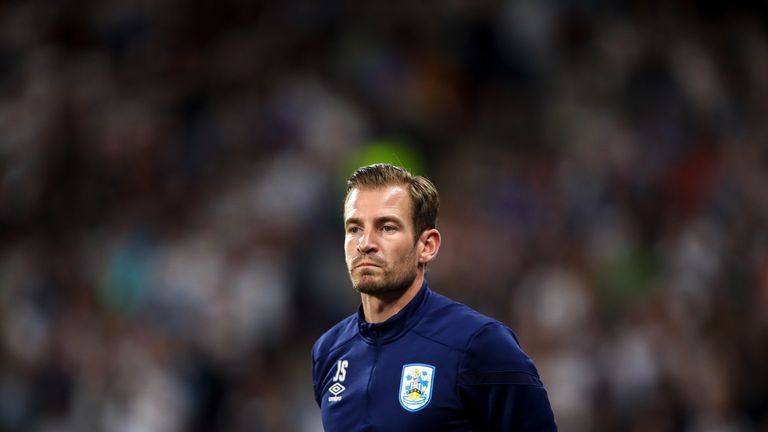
{"points": [[337, 346], [435, 340], [469, 343], [474, 335]]}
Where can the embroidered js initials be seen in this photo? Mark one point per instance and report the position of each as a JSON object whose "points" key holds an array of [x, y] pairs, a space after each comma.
{"points": [[341, 371]]}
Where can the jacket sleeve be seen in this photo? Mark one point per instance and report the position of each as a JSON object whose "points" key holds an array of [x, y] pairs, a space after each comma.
{"points": [[315, 375], [499, 385]]}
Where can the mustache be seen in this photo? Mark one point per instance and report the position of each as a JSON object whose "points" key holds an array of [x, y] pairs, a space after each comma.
{"points": [[368, 259]]}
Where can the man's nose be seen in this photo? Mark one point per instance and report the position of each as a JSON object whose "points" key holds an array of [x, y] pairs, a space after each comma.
{"points": [[367, 243]]}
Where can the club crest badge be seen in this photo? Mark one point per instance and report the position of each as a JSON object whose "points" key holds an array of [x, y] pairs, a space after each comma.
{"points": [[416, 385]]}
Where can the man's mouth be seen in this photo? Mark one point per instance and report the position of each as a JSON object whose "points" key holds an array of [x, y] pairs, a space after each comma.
{"points": [[365, 262]]}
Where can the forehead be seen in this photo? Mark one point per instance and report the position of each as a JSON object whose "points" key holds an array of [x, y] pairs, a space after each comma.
{"points": [[375, 201]]}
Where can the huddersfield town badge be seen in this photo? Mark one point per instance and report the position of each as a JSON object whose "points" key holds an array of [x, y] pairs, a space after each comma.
{"points": [[416, 386]]}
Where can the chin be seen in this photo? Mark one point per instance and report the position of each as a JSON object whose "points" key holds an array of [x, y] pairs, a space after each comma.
{"points": [[369, 287], [373, 285], [376, 289]]}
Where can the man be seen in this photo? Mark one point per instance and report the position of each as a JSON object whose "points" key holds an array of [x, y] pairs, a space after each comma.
{"points": [[411, 359]]}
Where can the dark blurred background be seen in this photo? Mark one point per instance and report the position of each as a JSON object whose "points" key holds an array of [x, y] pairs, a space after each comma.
{"points": [[172, 173]]}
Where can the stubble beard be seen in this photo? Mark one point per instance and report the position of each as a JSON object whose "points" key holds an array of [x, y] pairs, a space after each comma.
{"points": [[390, 282]]}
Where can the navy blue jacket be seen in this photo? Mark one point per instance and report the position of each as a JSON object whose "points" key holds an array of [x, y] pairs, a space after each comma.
{"points": [[437, 365]]}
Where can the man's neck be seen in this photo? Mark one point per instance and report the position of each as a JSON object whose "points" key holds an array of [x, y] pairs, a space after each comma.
{"points": [[379, 308]]}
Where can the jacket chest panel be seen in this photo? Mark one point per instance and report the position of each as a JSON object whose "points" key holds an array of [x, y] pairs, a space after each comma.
{"points": [[403, 385]]}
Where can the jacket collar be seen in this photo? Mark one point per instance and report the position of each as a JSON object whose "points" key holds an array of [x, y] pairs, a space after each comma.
{"points": [[398, 324]]}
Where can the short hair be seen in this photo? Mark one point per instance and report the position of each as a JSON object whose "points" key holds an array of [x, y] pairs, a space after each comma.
{"points": [[425, 201]]}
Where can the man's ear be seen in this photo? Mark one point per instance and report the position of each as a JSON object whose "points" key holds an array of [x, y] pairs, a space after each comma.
{"points": [[430, 241]]}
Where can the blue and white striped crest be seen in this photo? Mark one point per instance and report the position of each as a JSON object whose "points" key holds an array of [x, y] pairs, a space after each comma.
{"points": [[416, 386]]}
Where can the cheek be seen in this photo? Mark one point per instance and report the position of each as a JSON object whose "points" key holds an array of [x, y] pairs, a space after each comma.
{"points": [[409, 254], [349, 249]]}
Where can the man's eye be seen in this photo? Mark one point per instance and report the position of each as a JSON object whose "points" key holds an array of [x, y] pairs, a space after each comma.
{"points": [[389, 228], [353, 230]]}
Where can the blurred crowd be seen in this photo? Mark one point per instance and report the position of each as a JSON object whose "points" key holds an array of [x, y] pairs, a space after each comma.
{"points": [[171, 182]]}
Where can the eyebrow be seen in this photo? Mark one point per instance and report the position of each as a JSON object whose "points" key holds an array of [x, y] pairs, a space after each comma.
{"points": [[378, 220]]}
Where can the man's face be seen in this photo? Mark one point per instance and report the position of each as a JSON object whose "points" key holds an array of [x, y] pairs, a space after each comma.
{"points": [[379, 245]]}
